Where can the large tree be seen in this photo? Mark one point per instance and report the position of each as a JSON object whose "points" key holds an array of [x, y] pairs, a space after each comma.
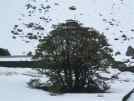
{"points": [[72, 54]]}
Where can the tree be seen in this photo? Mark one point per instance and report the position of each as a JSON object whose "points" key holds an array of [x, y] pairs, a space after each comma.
{"points": [[4, 52], [71, 54]]}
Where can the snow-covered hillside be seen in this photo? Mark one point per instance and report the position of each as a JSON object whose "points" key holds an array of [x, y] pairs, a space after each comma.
{"points": [[13, 87], [114, 18]]}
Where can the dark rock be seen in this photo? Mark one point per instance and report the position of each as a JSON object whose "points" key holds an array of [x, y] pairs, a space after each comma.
{"points": [[130, 51]]}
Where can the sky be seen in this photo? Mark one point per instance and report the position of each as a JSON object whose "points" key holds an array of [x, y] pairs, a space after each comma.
{"points": [[93, 13]]}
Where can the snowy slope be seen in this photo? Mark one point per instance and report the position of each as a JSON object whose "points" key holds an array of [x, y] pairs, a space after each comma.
{"points": [[94, 13], [13, 87], [114, 18]]}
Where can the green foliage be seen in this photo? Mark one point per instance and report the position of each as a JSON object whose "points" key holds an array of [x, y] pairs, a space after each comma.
{"points": [[72, 54], [56, 89]]}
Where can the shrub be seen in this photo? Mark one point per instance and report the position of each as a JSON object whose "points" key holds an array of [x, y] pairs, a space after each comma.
{"points": [[71, 55]]}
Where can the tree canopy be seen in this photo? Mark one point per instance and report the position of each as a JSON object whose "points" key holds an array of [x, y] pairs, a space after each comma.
{"points": [[72, 54]]}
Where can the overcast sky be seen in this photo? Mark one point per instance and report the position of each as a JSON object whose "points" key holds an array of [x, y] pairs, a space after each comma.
{"points": [[88, 12]]}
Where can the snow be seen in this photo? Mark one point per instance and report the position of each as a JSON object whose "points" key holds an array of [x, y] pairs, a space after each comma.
{"points": [[15, 58], [109, 73], [13, 87], [89, 12], [92, 13]]}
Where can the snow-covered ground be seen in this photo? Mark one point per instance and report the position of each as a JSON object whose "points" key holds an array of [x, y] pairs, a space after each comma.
{"points": [[114, 18], [15, 58], [13, 87]]}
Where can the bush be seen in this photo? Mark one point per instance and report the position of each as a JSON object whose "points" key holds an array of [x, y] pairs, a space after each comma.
{"points": [[4, 52], [71, 55]]}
